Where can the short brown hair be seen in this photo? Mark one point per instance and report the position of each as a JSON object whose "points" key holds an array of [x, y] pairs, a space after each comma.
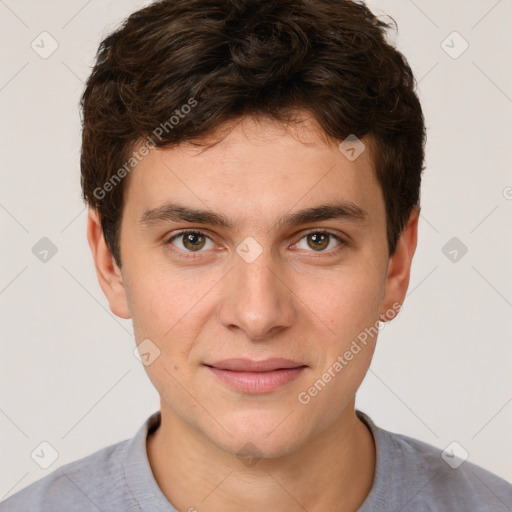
{"points": [[225, 59]]}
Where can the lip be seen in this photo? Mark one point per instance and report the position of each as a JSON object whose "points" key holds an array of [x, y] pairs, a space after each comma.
{"points": [[249, 365], [249, 376]]}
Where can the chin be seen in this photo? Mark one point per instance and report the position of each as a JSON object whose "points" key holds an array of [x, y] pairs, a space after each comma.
{"points": [[260, 447], [257, 434]]}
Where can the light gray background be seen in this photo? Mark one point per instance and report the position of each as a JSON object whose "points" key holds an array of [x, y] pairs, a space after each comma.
{"points": [[442, 369]]}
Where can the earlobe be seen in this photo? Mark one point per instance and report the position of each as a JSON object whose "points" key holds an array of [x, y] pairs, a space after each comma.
{"points": [[109, 275], [399, 268]]}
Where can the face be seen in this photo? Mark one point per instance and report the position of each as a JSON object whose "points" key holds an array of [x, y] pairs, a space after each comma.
{"points": [[263, 276]]}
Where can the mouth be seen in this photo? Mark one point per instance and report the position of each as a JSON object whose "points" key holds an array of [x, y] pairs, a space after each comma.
{"points": [[249, 376]]}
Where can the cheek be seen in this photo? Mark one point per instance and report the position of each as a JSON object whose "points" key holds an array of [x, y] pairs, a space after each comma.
{"points": [[163, 299], [346, 300], [351, 311], [171, 308]]}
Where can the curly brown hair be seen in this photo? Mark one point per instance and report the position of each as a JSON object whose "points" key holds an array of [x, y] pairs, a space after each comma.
{"points": [[176, 70]]}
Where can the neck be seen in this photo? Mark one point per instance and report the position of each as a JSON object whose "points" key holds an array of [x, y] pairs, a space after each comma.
{"points": [[332, 471]]}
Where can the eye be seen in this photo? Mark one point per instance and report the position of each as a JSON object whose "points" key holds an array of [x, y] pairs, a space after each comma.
{"points": [[319, 241], [191, 241]]}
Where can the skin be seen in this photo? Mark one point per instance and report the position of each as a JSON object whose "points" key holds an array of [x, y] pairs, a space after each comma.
{"points": [[295, 300]]}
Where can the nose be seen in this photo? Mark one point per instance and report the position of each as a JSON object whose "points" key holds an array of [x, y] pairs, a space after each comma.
{"points": [[257, 299]]}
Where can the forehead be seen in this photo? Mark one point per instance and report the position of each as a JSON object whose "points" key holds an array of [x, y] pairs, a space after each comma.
{"points": [[259, 168]]}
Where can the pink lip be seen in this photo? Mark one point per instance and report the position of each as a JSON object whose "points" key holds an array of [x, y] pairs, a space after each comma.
{"points": [[250, 376], [249, 365]]}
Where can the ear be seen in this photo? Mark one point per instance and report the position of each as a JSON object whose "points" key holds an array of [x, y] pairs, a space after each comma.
{"points": [[399, 268], [109, 274]]}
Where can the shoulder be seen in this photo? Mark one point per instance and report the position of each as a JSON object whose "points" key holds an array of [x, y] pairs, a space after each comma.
{"points": [[82, 485], [452, 481], [418, 476]]}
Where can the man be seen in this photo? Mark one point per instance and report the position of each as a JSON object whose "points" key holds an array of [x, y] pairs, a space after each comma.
{"points": [[253, 173]]}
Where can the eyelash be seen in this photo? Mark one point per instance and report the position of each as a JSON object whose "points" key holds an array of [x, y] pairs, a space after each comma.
{"points": [[191, 254]]}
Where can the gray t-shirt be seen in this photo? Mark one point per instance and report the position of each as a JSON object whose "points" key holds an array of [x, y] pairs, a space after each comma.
{"points": [[409, 476]]}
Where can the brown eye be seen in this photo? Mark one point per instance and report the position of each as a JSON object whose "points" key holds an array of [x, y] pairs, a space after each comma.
{"points": [[191, 241], [320, 241]]}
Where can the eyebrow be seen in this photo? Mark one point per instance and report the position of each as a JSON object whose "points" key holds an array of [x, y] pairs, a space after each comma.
{"points": [[173, 212]]}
